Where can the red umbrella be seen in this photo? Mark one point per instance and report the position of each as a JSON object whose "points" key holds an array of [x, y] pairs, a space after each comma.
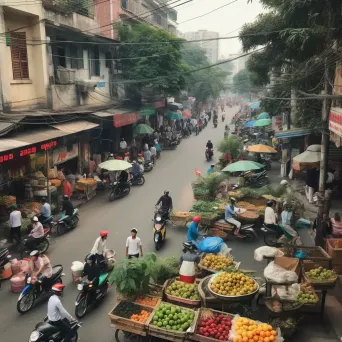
{"points": [[186, 114]]}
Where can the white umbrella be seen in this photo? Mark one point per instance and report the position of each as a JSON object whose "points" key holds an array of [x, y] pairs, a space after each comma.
{"points": [[115, 165], [308, 159]]}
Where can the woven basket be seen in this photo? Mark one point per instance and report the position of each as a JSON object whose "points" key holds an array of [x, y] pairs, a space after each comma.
{"points": [[249, 216], [308, 265], [218, 232]]}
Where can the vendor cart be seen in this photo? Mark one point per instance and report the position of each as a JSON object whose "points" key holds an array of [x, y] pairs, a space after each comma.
{"points": [[86, 188]]}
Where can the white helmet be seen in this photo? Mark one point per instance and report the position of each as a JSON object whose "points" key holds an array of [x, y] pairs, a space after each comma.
{"points": [[284, 182]]}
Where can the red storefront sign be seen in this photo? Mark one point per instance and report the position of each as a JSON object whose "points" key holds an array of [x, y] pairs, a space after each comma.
{"points": [[159, 104], [27, 151], [335, 122], [125, 119]]}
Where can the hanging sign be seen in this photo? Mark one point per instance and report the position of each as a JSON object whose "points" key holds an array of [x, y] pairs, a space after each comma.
{"points": [[62, 154], [335, 121]]}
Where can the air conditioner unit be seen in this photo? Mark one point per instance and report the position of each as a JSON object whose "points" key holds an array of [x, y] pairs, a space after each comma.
{"points": [[65, 75]]}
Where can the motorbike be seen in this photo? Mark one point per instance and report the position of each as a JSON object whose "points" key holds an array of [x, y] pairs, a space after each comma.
{"points": [[169, 145], [44, 331], [117, 192], [247, 231], [254, 180], [83, 302], [33, 289], [209, 154], [137, 180], [276, 238], [215, 123], [267, 163], [148, 166], [159, 228], [46, 222], [223, 118], [42, 246], [66, 223]]}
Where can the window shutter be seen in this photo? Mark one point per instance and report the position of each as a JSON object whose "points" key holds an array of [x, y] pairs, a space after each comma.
{"points": [[19, 56]]}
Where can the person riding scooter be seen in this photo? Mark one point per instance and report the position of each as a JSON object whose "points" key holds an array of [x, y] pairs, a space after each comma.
{"points": [[231, 215], [36, 234], [270, 219], [193, 232], [57, 315], [68, 208], [166, 204], [41, 268], [99, 249], [92, 271], [123, 179]]}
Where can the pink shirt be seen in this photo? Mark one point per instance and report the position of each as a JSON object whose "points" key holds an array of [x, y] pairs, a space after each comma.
{"points": [[336, 227]]}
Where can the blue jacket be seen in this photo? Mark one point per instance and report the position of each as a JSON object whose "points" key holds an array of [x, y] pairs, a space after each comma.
{"points": [[193, 232], [229, 212]]}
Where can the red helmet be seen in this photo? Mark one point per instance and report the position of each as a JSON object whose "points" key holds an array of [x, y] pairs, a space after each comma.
{"points": [[104, 233], [58, 288], [196, 219]]}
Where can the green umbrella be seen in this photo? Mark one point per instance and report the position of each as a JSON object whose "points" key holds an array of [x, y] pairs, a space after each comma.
{"points": [[243, 165], [144, 129], [262, 123]]}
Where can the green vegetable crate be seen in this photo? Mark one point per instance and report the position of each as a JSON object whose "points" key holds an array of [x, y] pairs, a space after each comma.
{"points": [[128, 325], [172, 335]]}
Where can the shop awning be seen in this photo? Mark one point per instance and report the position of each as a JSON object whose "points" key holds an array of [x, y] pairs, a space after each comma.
{"points": [[7, 124], [75, 126], [293, 133], [147, 111]]}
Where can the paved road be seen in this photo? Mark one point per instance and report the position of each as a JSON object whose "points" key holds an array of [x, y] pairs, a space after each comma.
{"points": [[174, 172]]}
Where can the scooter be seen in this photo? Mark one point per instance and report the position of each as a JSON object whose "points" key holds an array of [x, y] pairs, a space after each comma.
{"points": [[33, 289], [42, 246], [215, 123], [275, 238], [137, 180], [254, 180], [209, 154], [169, 145], [83, 303], [44, 331], [117, 192], [148, 166], [247, 231], [66, 223], [159, 228]]}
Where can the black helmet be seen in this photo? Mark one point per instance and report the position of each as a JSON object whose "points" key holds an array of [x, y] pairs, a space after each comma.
{"points": [[90, 257], [166, 192], [269, 203], [188, 246], [233, 200]]}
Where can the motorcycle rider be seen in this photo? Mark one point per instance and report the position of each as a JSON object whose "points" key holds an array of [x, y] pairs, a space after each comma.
{"points": [[57, 315], [45, 211], [99, 248], [135, 169], [270, 219], [166, 204], [36, 234], [210, 145], [67, 208], [230, 216], [211, 169], [41, 268], [193, 233], [123, 179], [92, 272]]}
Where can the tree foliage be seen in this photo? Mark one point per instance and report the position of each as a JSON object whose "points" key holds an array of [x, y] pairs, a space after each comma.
{"points": [[163, 74], [297, 39], [244, 81], [232, 145]]}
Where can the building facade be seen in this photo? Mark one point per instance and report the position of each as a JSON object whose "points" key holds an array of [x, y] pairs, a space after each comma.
{"points": [[211, 47]]}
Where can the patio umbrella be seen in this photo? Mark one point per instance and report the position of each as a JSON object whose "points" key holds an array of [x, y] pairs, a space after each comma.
{"points": [[243, 165], [254, 105], [186, 114], [308, 159], [260, 148], [250, 123], [262, 123], [115, 165], [143, 129], [174, 116], [263, 115]]}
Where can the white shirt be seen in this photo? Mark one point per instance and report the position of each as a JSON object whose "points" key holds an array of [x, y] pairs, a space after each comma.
{"points": [[270, 217], [141, 167], [56, 311], [15, 219], [37, 231], [99, 246], [153, 150], [46, 210], [47, 268], [133, 245], [123, 144]]}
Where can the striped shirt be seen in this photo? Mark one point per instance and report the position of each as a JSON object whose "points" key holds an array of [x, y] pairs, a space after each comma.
{"points": [[336, 227]]}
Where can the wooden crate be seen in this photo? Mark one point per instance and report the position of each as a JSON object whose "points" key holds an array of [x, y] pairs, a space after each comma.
{"points": [[223, 226], [171, 335], [201, 338], [128, 325], [334, 248], [308, 265], [149, 306]]}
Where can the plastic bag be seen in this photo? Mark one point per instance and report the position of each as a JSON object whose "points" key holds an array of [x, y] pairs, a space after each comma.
{"points": [[286, 292], [266, 251], [77, 267], [210, 245], [278, 274]]}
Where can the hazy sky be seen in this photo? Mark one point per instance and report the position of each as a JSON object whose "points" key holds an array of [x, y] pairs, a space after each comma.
{"points": [[223, 21]]}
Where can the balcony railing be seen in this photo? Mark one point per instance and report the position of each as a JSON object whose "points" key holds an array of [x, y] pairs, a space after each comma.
{"points": [[67, 7], [135, 8]]}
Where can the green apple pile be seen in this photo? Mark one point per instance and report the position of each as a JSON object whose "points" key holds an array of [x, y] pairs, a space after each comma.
{"points": [[172, 317], [320, 273], [183, 290]]}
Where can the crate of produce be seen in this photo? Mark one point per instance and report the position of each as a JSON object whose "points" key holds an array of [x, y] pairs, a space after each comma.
{"points": [[249, 216], [172, 322], [86, 184], [222, 324], [307, 295], [316, 254], [182, 293], [180, 218], [218, 232], [223, 225], [147, 300], [280, 308], [215, 263], [131, 317], [206, 218], [334, 249], [317, 275]]}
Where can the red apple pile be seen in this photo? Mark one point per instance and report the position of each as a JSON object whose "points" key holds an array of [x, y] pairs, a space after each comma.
{"points": [[217, 327]]}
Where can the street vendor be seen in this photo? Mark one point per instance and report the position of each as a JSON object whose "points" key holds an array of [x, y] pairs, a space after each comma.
{"points": [[188, 264], [193, 233]]}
